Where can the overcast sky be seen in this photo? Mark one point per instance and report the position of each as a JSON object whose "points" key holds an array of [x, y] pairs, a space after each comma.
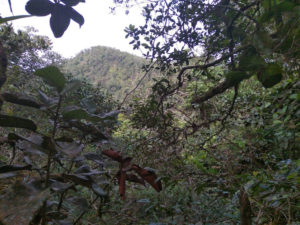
{"points": [[100, 28]]}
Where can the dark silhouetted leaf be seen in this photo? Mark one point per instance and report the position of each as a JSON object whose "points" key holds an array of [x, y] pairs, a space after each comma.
{"points": [[11, 168], [59, 20], [39, 7], [72, 2], [52, 76], [75, 16], [17, 122], [10, 6], [20, 99]]}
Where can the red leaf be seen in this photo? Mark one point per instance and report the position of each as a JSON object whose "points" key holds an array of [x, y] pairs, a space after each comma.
{"points": [[135, 179], [148, 176], [113, 155], [126, 164], [122, 184]]}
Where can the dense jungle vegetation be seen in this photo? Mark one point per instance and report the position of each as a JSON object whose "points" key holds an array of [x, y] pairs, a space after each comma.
{"points": [[203, 130]]}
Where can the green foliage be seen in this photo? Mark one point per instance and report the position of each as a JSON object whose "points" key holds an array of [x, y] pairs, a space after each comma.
{"points": [[53, 77]]}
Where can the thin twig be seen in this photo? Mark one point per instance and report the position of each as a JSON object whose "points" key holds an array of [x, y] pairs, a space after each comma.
{"points": [[138, 84], [53, 135]]}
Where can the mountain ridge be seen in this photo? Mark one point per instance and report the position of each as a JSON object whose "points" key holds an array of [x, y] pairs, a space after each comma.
{"points": [[107, 67]]}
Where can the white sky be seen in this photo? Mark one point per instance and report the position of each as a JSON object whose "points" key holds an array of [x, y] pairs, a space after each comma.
{"points": [[100, 27]]}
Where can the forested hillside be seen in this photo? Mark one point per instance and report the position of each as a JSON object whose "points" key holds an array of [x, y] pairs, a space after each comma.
{"points": [[106, 67]]}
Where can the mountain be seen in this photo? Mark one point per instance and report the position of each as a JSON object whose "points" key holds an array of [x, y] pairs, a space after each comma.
{"points": [[116, 71]]}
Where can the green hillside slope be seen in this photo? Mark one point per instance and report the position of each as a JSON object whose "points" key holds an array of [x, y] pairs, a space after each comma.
{"points": [[110, 68]]}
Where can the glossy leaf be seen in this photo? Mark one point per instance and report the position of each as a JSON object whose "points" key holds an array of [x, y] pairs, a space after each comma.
{"points": [[52, 76]]}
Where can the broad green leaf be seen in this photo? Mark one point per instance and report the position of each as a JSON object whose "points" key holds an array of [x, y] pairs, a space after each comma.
{"points": [[52, 76], [74, 112], [235, 77], [7, 19], [72, 86], [20, 99], [17, 122], [270, 76]]}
